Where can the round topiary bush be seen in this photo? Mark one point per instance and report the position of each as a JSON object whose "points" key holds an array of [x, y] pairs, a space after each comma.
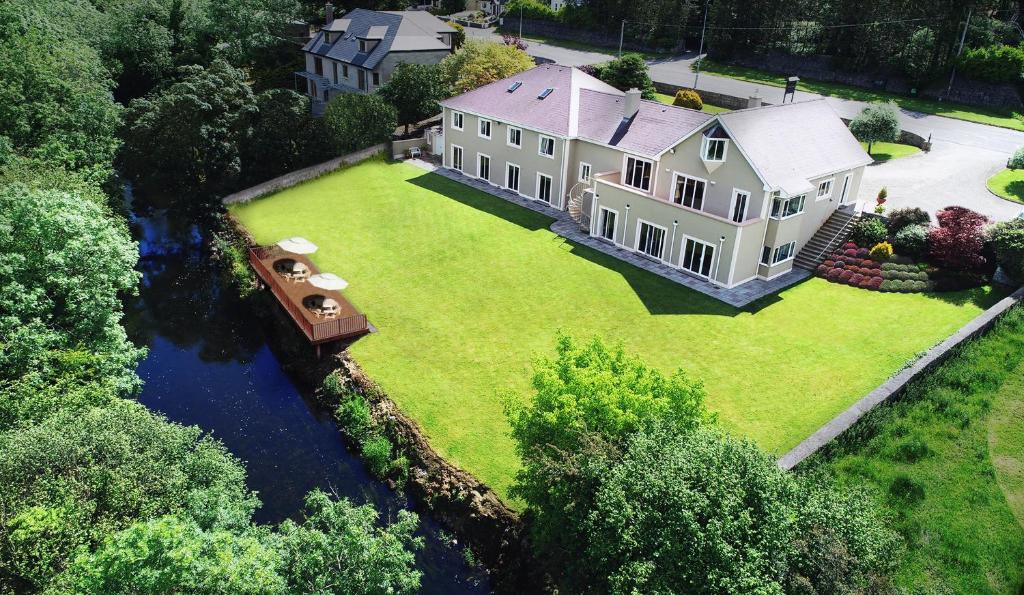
{"points": [[881, 251], [845, 276], [688, 98], [869, 231], [1017, 161], [822, 270], [901, 218], [855, 279], [834, 274], [911, 241], [862, 252]]}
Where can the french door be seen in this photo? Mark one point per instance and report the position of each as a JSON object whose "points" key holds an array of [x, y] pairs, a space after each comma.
{"points": [[544, 188], [650, 240], [606, 224], [698, 257], [483, 167], [457, 157], [512, 177]]}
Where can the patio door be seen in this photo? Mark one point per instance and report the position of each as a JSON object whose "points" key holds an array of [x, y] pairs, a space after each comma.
{"points": [[698, 257], [544, 188], [606, 224], [844, 197], [512, 177], [483, 167], [457, 157], [650, 239]]}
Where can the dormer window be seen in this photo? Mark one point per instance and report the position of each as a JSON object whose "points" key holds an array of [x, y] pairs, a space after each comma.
{"points": [[362, 46], [714, 149]]}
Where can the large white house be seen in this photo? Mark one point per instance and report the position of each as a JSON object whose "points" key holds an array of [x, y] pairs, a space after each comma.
{"points": [[728, 198]]}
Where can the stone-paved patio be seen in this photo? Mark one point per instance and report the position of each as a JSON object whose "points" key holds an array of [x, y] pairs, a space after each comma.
{"points": [[564, 226]]}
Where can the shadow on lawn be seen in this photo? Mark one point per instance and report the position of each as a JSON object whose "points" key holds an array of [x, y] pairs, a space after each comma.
{"points": [[659, 295]]}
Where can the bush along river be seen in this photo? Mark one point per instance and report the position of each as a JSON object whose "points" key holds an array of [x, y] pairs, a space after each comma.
{"points": [[210, 364]]}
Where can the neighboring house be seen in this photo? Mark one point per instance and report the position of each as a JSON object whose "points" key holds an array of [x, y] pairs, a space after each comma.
{"points": [[359, 51], [728, 198]]}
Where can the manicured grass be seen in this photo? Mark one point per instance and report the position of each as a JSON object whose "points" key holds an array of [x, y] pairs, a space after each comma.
{"points": [[956, 437], [882, 152], [1008, 184], [708, 109], [466, 289], [1001, 118]]}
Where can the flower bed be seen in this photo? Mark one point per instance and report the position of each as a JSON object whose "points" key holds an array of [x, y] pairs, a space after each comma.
{"points": [[854, 266]]}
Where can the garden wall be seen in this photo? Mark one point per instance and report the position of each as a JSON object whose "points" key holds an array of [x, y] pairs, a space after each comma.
{"points": [[554, 30], [301, 175], [719, 99], [399, 147], [894, 386]]}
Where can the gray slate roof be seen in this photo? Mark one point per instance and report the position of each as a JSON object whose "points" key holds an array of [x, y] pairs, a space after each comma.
{"points": [[792, 143], [654, 129], [399, 31]]}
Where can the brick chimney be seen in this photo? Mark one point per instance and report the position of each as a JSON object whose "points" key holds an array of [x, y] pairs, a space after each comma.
{"points": [[328, 13], [631, 103]]}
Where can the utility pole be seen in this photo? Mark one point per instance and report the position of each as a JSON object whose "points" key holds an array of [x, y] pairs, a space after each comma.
{"points": [[521, 21], [963, 37], [622, 33], [700, 51]]}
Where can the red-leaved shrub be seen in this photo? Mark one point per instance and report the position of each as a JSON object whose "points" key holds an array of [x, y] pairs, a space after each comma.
{"points": [[855, 279], [863, 252], [869, 264], [849, 246], [865, 283], [957, 242], [822, 270], [845, 276], [839, 264], [876, 282], [852, 252], [829, 263], [834, 275]]}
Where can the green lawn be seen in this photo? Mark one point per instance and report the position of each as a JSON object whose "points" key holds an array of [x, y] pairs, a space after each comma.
{"points": [[466, 289], [882, 152], [708, 109], [1008, 184], [1001, 118], [956, 438]]}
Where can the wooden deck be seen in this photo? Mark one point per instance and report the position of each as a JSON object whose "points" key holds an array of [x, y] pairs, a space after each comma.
{"points": [[348, 323]]}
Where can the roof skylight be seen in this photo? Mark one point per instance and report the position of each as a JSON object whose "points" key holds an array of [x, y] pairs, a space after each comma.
{"points": [[545, 93], [512, 88]]}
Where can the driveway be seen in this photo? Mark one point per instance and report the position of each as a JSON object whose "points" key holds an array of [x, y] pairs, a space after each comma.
{"points": [[950, 174]]}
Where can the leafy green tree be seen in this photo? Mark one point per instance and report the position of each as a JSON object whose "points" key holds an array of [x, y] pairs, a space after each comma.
{"points": [[696, 513], [478, 63], [55, 96], [244, 28], [355, 121], [629, 72], [172, 555], [879, 122], [452, 6], [917, 57], [414, 90], [1008, 240], [187, 137], [285, 136], [340, 548], [78, 477]]}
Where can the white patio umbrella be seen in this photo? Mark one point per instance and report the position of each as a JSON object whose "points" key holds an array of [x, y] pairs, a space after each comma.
{"points": [[297, 245], [328, 281]]}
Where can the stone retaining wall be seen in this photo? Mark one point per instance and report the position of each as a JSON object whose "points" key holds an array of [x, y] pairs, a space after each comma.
{"points": [[718, 99], [894, 386], [301, 175]]}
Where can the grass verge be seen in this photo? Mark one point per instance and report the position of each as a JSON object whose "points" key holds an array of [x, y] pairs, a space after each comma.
{"points": [[707, 109], [980, 115], [1008, 184], [467, 289], [882, 152], [930, 456]]}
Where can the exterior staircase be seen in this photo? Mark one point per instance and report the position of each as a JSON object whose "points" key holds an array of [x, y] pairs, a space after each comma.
{"points": [[831, 236]]}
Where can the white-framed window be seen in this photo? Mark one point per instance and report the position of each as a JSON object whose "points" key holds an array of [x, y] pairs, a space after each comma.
{"points": [[783, 208], [483, 167], [783, 253], [825, 189], [650, 239], [606, 221], [484, 129], [697, 256], [458, 120], [738, 208], [846, 189], [690, 191], [637, 173], [514, 137], [457, 157], [544, 188], [512, 177], [585, 170], [714, 149], [766, 255], [547, 146]]}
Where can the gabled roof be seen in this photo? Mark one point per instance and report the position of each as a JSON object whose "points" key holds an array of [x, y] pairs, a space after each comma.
{"points": [[398, 31], [654, 129], [792, 143]]}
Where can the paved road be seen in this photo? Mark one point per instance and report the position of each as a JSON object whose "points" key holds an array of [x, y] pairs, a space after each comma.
{"points": [[963, 157]]}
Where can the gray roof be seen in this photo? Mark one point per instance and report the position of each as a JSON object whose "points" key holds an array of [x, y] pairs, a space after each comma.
{"points": [[792, 143], [654, 129], [398, 31]]}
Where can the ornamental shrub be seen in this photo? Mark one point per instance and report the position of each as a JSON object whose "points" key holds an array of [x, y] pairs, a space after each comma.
{"points": [[855, 279], [829, 263], [881, 251], [869, 264], [911, 241], [876, 283], [1008, 241], [845, 276], [865, 283], [849, 245], [852, 253], [901, 218], [688, 98], [1017, 161], [822, 270], [869, 231], [834, 274], [862, 253], [957, 243], [840, 264]]}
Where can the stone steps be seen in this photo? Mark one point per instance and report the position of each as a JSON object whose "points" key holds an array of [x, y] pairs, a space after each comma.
{"points": [[830, 236]]}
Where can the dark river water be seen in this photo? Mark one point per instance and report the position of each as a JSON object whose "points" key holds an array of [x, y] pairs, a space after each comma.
{"points": [[210, 365]]}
